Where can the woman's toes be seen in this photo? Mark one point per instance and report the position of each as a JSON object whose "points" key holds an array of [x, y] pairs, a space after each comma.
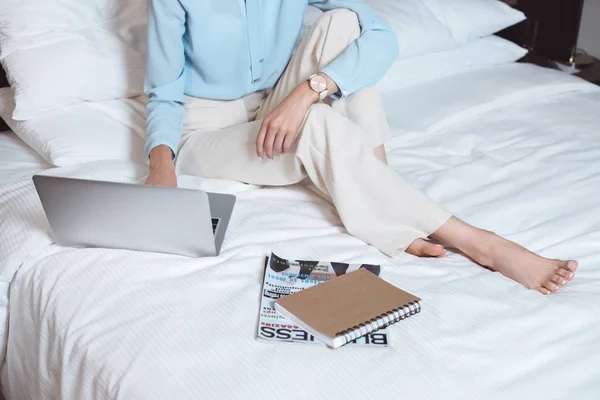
{"points": [[437, 251], [558, 280], [560, 277], [568, 268], [552, 287], [543, 290], [565, 274], [572, 266]]}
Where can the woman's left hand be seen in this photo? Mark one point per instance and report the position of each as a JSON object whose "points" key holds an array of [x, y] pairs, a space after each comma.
{"points": [[280, 128]]}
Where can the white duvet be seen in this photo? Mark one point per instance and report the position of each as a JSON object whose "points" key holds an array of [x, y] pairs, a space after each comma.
{"points": [[514, 149]]}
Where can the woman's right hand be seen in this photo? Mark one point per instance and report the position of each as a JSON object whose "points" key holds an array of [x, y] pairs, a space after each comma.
{"points": [[162, 177], [162, 169]]}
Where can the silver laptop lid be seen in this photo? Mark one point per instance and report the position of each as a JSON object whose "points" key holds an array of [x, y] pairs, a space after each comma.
{"points": [[84, 213]]}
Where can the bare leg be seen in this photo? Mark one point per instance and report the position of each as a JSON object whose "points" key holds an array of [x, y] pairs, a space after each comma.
{"points": [[380, 154], [501, 255]]}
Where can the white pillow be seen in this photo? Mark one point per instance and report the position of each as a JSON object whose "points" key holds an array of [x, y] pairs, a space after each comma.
{"points": [[110, 130], [61, 52], [472, 19], [417, 28], [429, 67]]}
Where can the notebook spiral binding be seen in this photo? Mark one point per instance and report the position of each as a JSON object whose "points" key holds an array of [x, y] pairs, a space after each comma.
{"points": [[381, 321]]}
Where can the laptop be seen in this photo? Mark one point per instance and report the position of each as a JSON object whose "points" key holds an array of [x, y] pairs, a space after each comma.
{"points": [[86, 213]]}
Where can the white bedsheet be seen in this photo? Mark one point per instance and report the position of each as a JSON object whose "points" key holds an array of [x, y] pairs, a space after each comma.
{"points": [[17, 160], [107, 324]]}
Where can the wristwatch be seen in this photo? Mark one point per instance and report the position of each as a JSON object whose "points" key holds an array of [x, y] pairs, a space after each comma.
{"points": [[319, 84]]}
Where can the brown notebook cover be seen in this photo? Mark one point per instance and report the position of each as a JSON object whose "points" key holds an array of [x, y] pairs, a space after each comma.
{"points": [[350, 306]]}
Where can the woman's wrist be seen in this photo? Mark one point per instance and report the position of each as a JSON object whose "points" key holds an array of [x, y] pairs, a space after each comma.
{"points": [[313, 97], [308, 95], [161, 157]]}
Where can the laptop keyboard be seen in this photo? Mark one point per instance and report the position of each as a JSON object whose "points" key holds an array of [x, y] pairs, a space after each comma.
{"points": [[215, 224]]}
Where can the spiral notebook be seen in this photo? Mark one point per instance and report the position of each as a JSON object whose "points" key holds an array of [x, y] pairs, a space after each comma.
{"points": [[346, 308]]}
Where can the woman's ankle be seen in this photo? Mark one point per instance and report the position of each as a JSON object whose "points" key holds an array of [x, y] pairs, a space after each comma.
{"points": [[482, 248], [476, 243]]}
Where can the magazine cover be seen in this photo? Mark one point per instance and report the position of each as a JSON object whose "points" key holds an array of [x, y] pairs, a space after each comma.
{"points": [[283, 277]]}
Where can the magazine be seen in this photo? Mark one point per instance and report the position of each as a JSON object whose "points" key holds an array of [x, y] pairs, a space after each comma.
{"points": [[283, 277]]}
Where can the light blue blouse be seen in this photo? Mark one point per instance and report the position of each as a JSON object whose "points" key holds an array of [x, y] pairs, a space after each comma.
{"points": [[226, 49]]}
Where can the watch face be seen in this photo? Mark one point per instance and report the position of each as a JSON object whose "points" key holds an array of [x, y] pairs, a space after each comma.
{"points": [[318, 84]]}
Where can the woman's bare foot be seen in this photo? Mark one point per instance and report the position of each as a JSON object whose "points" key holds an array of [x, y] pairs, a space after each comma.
{"points": [[508, 258], [527, 268], [423, 248]]}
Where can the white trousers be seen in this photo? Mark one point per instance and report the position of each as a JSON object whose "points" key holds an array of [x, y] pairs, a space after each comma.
{"points": [[334, 147]]}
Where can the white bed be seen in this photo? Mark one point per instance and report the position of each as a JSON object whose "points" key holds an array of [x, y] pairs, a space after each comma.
{"points": [[17, 160], [511, 148]]}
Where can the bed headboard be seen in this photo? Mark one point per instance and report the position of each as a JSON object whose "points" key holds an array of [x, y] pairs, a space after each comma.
{"points": [[3, 83], [551, 29], [3, 80]]}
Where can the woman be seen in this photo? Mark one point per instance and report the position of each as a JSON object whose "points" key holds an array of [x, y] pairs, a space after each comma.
{"points": [[231, 96]]}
